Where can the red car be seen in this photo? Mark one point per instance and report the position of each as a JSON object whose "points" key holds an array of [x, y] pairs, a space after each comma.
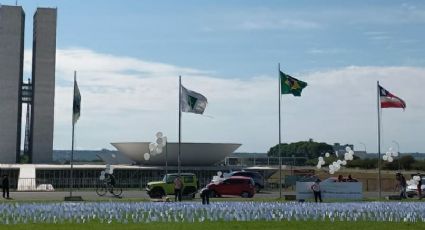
{"points": [[234, 186]]}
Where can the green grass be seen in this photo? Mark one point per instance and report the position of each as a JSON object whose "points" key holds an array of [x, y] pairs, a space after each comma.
{"points": [[304, 225]]}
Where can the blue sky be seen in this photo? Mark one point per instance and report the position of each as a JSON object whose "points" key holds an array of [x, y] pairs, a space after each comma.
{"points": [[238, 44]]}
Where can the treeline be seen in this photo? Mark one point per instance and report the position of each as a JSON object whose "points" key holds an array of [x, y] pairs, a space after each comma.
{"points": [[312, 150]]}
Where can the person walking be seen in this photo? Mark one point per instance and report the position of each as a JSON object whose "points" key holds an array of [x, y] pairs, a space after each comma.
{"points": [[316, 190], [178, 185], [5, 187], [205, 195]]}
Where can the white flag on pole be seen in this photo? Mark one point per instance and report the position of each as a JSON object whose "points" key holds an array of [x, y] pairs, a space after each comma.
{"points": [[192, 102]]}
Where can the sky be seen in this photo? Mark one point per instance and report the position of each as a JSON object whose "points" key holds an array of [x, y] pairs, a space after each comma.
{"points": [[129, 54]]}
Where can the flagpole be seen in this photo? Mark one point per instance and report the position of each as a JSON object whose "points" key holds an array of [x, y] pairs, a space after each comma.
{"points": [[180, 126], [379, 140], [72, 146], [280, 138]]}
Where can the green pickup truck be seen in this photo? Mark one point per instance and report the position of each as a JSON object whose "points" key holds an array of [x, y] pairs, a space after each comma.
{"points": [[159, 189]]}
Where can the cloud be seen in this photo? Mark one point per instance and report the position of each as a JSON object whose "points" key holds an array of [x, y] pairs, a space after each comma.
{"points": [[127, 99]]}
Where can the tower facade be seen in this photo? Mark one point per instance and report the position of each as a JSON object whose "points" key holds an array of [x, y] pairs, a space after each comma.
{"points": [[43, 85], [12, 25]]}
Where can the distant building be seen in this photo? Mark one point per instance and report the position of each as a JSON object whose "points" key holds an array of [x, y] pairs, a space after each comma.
{"points": [[340, 149], [38, 94]]}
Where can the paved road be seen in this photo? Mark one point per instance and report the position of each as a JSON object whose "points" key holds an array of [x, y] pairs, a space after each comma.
{"points": [[131, 194]]}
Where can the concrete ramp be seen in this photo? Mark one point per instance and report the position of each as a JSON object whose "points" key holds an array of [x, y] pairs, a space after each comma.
{"points": [[26, 179]]}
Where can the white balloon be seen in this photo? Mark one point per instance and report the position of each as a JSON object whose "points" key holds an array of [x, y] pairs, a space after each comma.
{"points": [[158, 150], [147, 156], [321, 159], [390, 159], [388, 154], [319, 166], [331, 167], [346, 158], [164, 139], [395, 154], [152, 147], [344, 162], [327, 154], [322, 162], [158, 134], [384, 157], [351, 157], [219, 173], [348, 149], [331, 171], [159, 141], [351, 152], [417, 178], [335, 164], [339, 161]]}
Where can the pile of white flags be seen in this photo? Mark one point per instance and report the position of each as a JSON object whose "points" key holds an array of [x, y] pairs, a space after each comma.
{"points": [[146, 212]]}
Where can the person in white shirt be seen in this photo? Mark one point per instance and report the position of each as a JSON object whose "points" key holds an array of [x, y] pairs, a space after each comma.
{"points": [[316, 190]]}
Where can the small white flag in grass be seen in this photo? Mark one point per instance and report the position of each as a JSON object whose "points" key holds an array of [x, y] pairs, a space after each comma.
{"points": [[193, 102]]}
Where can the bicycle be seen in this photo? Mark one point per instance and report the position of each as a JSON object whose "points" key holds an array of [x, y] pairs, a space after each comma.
{"points": [[103, 188]]}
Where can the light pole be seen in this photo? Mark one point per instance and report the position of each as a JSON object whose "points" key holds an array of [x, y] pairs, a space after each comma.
{"points": [[363, 146], [398, 153]]}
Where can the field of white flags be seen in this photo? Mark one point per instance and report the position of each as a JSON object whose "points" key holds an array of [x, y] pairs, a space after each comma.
{"points": [[146, 212]]}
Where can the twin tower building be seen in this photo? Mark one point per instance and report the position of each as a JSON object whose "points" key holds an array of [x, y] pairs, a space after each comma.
{"points": [[37, 94]]}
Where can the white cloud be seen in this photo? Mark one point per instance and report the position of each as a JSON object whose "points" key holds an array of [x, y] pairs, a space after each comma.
{"points": [[127, 99], [263, 24]]}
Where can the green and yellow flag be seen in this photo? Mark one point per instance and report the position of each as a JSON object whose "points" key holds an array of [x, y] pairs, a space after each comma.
{"points": [[290, 85]]}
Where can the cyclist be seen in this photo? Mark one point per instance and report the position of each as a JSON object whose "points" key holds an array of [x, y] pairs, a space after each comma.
{"points": [[110, 180]]}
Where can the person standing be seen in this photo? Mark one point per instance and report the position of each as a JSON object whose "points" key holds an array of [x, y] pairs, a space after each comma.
{"points": [[420, 188], [403, 186], [5, 186], [205, 195], [178, 185], [316, 190]]}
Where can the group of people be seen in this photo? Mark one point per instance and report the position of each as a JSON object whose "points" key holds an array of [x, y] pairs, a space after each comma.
{"points": [[178, 187]]}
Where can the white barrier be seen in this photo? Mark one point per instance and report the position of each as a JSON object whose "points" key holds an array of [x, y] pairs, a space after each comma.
{"points": [[331, 190]]}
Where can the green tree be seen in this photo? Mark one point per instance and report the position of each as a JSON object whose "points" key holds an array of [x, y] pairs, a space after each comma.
{"points": [[309, 149]]}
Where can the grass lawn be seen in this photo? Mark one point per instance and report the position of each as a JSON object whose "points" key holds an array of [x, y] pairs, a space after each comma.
{"points": [[304, 225]]}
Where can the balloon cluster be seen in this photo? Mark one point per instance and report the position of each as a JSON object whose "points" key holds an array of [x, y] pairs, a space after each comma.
{"points": [[108, 170], [389, 156], [336, 165], [414, 181], [156, 147]]}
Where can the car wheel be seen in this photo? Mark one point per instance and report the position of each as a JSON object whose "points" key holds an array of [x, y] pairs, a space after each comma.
{"points": [[257, 188], [157, 193], [245, 194], [213, 194]]}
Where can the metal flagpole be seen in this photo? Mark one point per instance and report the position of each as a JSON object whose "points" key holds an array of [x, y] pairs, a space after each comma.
{"points": [[280, 139], [166, 157], [379, 140], [72, 146], [180, 126]]}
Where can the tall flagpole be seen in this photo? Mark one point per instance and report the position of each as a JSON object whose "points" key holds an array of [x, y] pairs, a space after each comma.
{"points": [[72, 146], [180, 122], [379, 140], [280, 138]]}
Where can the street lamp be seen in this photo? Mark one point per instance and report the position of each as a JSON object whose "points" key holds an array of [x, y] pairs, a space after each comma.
{"points": [[363, 146]]}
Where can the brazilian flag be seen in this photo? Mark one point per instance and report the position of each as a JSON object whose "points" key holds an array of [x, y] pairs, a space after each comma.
{"points": [[290, 85]]}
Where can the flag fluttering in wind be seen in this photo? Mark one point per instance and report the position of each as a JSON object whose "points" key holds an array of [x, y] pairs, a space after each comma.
{"points": [[389, 100], [290, 85], [192, 102], [76, 106]]}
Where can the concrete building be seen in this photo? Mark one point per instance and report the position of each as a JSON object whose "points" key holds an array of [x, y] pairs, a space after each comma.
{"points": [[43, 78], [12, 22]]}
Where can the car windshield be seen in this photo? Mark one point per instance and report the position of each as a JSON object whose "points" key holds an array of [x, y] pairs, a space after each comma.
{"points": [[169, 178]]}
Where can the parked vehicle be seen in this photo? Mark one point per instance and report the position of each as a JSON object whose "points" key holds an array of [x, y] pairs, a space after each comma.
{"points": [[234, 186], [158, 189], [412, 190], [257, 177]]}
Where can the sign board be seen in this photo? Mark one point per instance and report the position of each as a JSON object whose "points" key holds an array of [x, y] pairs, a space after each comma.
{"points": [[331, 190]]}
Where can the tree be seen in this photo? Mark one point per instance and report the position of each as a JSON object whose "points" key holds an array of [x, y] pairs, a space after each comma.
{"points": [[309, 149]]}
